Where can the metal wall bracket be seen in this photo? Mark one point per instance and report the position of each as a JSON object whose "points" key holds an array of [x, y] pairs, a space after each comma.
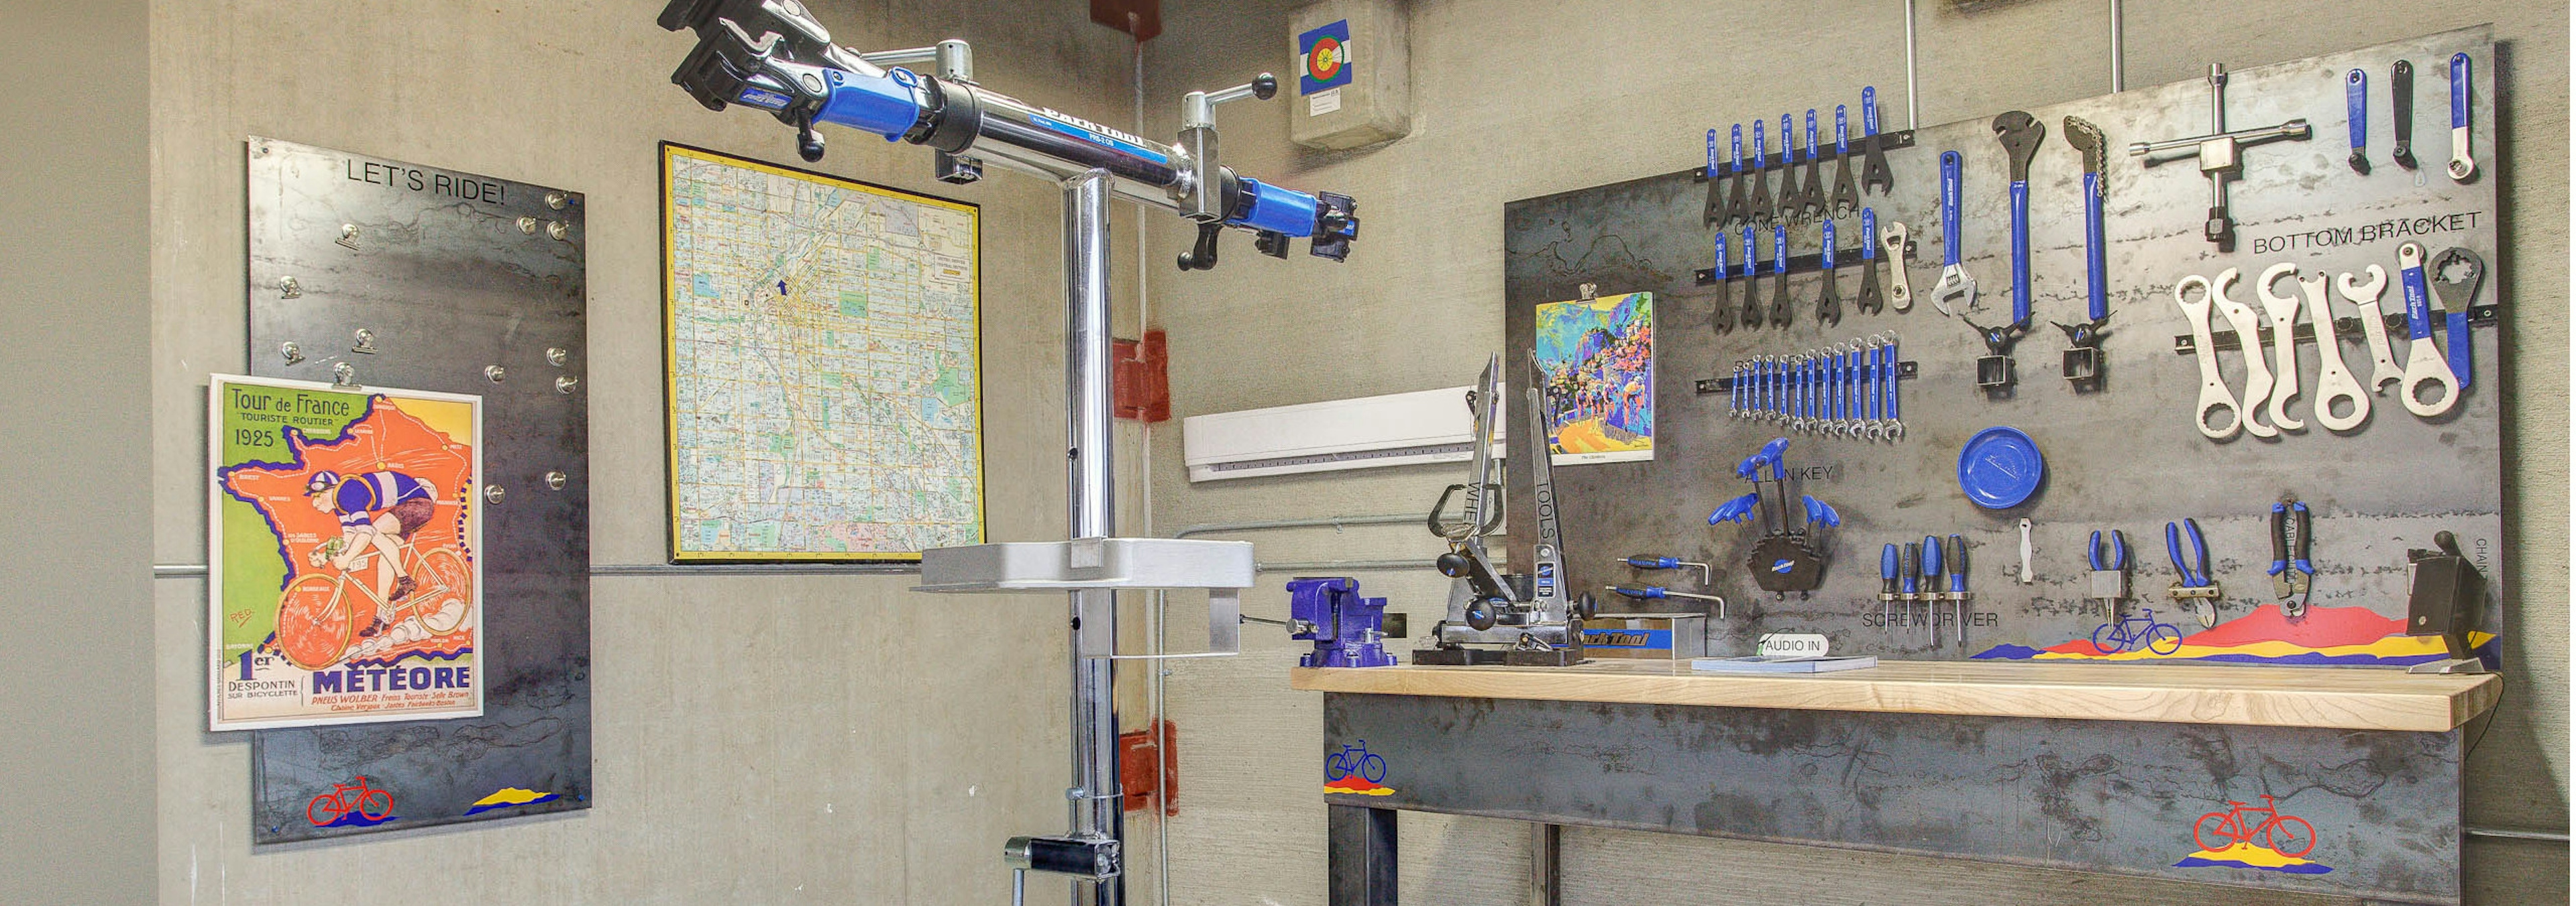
{"points": [[1223, 568]]}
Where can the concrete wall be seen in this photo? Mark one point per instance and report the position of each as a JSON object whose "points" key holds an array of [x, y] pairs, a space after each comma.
{"points": [[76, 780], [759, 740], [1520, 98]]}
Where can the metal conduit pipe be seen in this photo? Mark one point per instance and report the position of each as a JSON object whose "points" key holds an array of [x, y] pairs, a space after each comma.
{"points": [[1333, 521]]}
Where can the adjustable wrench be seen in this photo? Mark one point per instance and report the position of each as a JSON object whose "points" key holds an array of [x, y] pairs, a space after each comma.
{"points": [[1829, 304], [2384, 369], [1752, 281], [2213, 385], [1846, 197], [2020, 135], [1780, 276], [1954, 279], [2401, 105], [1724, 318], [1714, 212], [1874, 175], [1759, 209], [2423, 361], [1870, 301], [2285, 343], [1813, 195], [2356, 118], [2249, 340], [2456, 295], [2461, 166], [2334, 381], [1898, 291]]}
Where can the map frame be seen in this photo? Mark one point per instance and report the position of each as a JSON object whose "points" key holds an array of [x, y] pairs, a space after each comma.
{"points": [[678, 549]]}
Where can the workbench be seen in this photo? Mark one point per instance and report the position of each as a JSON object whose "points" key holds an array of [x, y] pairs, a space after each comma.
{"points": [[2082, 766]]}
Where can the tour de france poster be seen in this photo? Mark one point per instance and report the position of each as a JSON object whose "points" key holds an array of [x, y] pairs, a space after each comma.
{"points": [[1596, 359], [344, 554]]}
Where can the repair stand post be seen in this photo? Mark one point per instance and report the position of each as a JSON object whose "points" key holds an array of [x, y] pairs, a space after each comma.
{"points": [[1089, 492]]}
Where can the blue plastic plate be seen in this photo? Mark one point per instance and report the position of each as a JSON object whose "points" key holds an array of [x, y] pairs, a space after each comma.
{"points": [[2000, 468]]}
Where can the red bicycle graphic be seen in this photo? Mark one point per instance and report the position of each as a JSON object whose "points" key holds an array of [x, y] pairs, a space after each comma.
{"points": [[369, 801], [2290, 836]]}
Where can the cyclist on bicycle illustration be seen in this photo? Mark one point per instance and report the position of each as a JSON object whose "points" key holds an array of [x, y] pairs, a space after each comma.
{"points": [[377, 510]]}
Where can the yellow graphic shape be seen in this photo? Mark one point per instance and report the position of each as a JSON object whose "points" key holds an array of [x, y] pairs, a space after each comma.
{"points": [[510, 795], [2250, 856], [1586, 437], [2394, 646]]}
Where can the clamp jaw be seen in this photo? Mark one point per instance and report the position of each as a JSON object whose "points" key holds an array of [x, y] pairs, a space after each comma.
{"points": [[774, 55]]}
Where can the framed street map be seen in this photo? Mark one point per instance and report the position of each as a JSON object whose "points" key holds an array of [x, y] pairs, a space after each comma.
{"points": [[824, 365]]}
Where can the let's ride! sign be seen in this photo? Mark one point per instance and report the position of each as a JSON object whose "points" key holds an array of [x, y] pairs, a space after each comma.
{"points": [[344, 569]]}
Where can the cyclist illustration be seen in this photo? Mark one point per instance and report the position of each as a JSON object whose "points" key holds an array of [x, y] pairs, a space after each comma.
{"points": [[1355, 760], [2265, 827], [377, 510], [2133, 632]]}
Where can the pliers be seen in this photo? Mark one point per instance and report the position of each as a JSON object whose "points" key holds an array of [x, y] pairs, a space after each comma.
{"points": [[2111, 574], [2196, 586], [2292, 571]]}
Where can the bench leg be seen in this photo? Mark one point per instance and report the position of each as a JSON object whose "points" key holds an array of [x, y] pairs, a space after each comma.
{"points": [[1359, 856]]}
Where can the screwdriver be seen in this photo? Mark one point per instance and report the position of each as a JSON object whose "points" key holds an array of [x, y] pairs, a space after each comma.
{"points": [[1959, 583], [1931, 588], [1646, 592], [1887, 565], [1643, 561], [1908, 573]]}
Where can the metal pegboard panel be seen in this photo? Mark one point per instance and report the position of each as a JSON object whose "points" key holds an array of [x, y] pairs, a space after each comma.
{"points": [[2128, 457], [394, 274]]}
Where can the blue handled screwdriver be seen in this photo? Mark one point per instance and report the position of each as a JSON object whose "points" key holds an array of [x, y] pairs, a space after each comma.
{"points": [[1888, 563]]}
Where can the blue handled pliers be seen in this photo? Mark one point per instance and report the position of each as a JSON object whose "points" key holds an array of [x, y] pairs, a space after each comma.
{"points": [[2195, 572], [2110, 574]]}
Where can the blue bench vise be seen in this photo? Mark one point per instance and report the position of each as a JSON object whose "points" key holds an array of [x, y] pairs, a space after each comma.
{"points": [[1347, 629]]}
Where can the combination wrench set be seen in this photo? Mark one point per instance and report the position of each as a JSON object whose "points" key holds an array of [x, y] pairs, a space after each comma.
{"points": [[2280, 284]]}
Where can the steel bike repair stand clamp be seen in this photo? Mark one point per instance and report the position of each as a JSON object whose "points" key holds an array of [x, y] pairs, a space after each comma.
{"points": [[2220, 154]]}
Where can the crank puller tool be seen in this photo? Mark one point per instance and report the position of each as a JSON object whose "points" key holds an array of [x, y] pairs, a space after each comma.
{"points": [[1889, 561], [1870, 301], [2456, 275], [1658, 593], [2220, 154], [1780, 314], [1649, 561], [1894, 240], [1874, 175], [1846, 196], [1790, 199], [1714, 212], [1956, 555], [2020, 135], [1724, 318], [2356, 118], [1760, 208], [2293, 573], [2401, 108], [2284, 311], [2083, 359], [2196, 589], [2110, 573], [1932, 588], [2334, 381], [2424, 364], [2384, 369], [2462, 166], [1955, 281], [2214, 395], [1752, 307], [2249, 339], [1813, 196], [1829, 304]]}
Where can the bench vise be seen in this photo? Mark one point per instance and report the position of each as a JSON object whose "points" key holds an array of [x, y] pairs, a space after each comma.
{"points": [[1347, 629]]}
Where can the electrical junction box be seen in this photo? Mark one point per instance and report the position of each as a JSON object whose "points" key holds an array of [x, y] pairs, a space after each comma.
{"points": [[1354, 86]]}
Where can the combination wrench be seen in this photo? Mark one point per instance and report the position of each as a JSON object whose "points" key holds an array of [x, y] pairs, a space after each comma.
{"points": [[2462, 167], [2285, 343], [2424, 364], [1846, 197], [2384, 369], [1954, 281], [1870, 301], [2456, 294], [2249, 340], [2214, 395], [2334, 381], [1898, 291]]}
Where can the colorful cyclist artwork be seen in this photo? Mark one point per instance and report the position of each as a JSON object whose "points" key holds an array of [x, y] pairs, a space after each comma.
{"points": [[343, 554], [1598, 362]]}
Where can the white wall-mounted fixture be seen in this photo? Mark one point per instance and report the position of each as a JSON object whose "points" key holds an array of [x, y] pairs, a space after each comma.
{"points": [[1398, 429]]}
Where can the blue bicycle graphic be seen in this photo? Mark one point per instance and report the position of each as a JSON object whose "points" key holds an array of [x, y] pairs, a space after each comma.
{"points": [[1355, 759], [2141, 630]]}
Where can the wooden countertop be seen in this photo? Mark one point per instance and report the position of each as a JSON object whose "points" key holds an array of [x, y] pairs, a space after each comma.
{"points": [[2356, 699]]}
